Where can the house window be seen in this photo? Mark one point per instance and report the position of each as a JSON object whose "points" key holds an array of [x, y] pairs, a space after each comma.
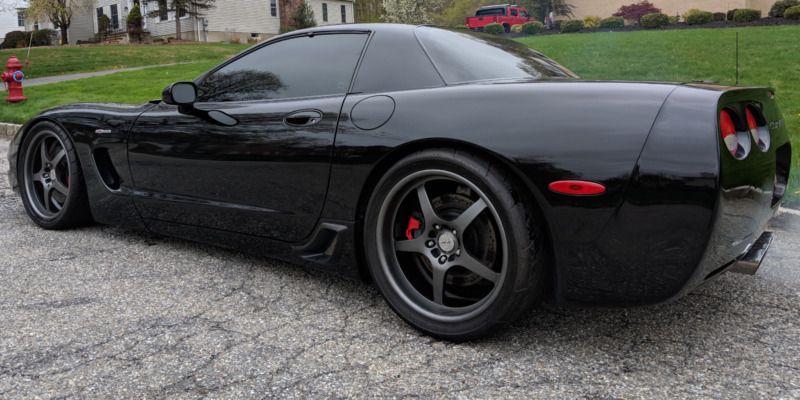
{"points": [[273, 8], [324, 12], [344, 14], [114, 17], [163, 12], [20, 18], [181, 13]]}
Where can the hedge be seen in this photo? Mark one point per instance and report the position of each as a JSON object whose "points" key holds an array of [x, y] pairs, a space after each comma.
{"points": [[746, 15], [574, 25], [494, 29], [612, 23], [792, 13], [778, 9], [654, 20], [698, 17], [532, 28]]}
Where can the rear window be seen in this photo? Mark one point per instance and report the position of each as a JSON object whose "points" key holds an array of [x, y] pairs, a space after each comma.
{"points": [[490, 11], [463, 57]]}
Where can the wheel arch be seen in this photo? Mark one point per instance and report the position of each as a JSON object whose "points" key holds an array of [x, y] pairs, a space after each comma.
{"points": [[16, 143], [531, 196]]}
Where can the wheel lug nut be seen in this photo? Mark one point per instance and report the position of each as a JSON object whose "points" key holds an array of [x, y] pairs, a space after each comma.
{"points": [[442, 259], [454, 232], [437, 227], [458, 252], [429, 243]]}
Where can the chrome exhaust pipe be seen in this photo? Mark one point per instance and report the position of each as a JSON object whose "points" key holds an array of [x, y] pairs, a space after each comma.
{"points": [[750, 261]]}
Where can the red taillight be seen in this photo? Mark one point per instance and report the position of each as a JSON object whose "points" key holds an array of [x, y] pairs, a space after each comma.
{"points": [[760, 133], [752, 124], [728, 131], [577, 188]]}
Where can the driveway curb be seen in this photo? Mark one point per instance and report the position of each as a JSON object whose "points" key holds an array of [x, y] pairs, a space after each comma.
{"points": [[8, 130]]}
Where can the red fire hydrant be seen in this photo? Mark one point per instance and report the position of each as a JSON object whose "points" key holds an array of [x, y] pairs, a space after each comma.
{"points": [[13, 77]]}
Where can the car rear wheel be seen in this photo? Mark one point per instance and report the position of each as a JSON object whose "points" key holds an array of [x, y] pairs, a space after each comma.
{"points": [[452, 245], [51, 183]]}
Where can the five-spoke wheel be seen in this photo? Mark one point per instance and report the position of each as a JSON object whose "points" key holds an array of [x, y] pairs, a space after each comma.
{"points": [[449, 247], [50, 178]]}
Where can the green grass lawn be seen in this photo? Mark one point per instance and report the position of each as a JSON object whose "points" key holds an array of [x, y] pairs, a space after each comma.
{"points": [[123, 87], [49, 61], [768, 56]]}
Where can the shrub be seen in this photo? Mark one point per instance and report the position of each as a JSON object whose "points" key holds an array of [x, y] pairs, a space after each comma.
{"points": [[654, 20], [674, 19], [792, 13], [43, 37], [591, 22], [16, 39], [746, 15], [516, 28], [103, 26], [697, 17], [612, 23], [573, 25], [134, 23], [635, 11], [778, 9], [494, 29], [729, 15], [532, 28], [718, 16]]}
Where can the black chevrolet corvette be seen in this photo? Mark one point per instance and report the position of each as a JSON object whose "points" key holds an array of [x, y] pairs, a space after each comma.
{"points": [[469, 176]]}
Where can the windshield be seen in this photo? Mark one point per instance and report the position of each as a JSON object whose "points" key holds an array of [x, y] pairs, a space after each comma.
{"points": [[463, 57]]}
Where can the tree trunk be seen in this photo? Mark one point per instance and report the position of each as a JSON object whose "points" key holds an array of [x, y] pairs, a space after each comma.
{"points": [[177, 24], [64, 38]]}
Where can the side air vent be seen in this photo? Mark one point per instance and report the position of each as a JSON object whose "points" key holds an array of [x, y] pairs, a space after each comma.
{"points": [[106, 168]]}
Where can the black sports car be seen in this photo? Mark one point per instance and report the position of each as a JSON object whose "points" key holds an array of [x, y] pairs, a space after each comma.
{"points": [[467, 175]]}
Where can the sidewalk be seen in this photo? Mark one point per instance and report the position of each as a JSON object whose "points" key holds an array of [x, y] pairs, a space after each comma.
{"points": [[71, 77]]}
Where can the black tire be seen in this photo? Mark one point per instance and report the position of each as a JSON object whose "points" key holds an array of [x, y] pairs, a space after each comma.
{"points": [[50, 179], [507, 28], [480, 290]]}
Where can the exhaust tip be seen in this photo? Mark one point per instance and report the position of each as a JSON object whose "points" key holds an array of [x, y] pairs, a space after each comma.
{"points": [[751, 261]]}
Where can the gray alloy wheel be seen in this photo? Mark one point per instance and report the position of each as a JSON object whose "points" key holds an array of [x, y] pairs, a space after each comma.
{"points": [[51, 183], [46, 174], [438, 272], [453, 244]]}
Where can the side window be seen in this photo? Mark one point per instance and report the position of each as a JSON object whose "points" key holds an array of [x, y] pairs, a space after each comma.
{"points": [[395, 61], [303, 66], [514, 13]]}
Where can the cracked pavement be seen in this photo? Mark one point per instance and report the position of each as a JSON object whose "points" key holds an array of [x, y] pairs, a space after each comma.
{"points": [[99, 312]]}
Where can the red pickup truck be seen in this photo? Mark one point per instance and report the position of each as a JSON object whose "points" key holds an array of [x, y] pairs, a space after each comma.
{"points": [[503, 14]]}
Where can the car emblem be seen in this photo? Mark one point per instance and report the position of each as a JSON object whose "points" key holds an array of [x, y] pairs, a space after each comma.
{"points": [[777, 124], [102, 131], [447, 242]]}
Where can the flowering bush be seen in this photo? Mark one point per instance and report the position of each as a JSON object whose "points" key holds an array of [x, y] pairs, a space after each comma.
{"points": [[591, 22]]}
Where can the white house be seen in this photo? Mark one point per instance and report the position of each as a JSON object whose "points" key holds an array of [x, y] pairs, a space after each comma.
{"points": [[243, 20]]}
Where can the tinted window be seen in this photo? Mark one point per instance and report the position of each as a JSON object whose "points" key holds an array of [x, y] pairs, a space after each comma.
{"points": [[469, 57], [514, 13], [395, 61], [490, 11], [298, 67]]}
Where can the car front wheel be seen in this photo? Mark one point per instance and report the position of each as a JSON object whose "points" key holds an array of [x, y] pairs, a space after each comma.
{"points": [[452, 244]]}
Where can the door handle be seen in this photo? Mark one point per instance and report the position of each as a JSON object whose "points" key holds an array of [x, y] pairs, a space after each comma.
{"points": [[303, 118]]}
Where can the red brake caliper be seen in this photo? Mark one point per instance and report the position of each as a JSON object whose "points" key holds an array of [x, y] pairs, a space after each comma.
{"points": [[413, 225]]}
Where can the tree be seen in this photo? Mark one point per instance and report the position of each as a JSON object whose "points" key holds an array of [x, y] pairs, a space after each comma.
{"points": [[369, 11], [181, 8], [303, 16], [541, 8], [413, 11], [59, 12], [134, 23]]}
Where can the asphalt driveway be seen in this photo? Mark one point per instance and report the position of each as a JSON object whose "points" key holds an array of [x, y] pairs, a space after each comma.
{"points": [[104, 313]]}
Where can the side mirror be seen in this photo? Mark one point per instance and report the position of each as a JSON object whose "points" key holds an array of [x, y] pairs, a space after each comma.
{"points": [[180, 94]]}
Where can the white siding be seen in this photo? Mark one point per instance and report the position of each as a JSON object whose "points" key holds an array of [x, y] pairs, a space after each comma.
{"points": [[81, 28], [243, 16], [8, 23], [334, 11]]}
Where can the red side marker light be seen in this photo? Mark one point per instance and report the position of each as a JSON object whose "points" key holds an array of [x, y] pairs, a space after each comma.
{"points": [[577, 188]]}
